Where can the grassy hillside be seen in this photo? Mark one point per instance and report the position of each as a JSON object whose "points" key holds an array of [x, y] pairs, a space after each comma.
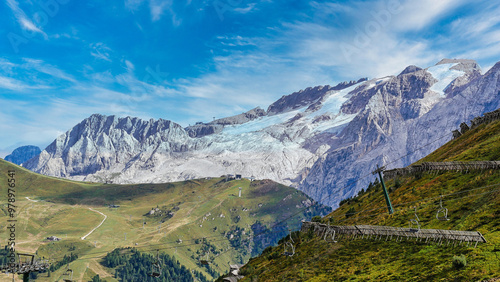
{"points": [[473, 202], [185, 213]]}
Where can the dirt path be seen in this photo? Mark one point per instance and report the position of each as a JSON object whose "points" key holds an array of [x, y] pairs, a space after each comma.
{"points": [[105, 217]]}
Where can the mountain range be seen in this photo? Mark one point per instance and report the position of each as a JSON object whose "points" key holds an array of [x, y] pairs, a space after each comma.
{"points": [[322, 140]]}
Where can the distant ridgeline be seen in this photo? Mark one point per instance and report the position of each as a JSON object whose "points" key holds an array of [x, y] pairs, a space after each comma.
{"points": [[449, 166], [486, 118]]}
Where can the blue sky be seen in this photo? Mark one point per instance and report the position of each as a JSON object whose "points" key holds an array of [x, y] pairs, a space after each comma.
{"points": [[189, 61]]}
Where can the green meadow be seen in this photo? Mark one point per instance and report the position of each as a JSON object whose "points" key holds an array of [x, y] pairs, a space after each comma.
{"points": [[190, 211]]}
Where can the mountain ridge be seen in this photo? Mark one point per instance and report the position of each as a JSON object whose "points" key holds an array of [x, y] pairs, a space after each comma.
{"points": [[319, 140]]}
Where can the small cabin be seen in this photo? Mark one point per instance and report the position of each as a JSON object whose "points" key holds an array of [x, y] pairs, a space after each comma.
{"points": [[53, 238]]}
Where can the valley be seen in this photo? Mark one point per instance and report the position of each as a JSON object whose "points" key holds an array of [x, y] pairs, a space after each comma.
{"points": [[119, 216]]}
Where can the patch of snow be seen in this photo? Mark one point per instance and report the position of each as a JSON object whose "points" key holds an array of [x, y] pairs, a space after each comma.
{"points": [[335, 125], [334, 101], [331, 106], [374, 82], [260, 123], [445, 75]]}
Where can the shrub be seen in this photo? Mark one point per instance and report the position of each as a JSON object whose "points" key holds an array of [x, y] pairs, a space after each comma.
{"points": [[350, 212], [316, 218], [459, 262], [267, 250], [397, 183]]}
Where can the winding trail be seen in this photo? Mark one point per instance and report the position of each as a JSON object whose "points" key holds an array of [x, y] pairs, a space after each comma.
{"points": [[105, 216]]}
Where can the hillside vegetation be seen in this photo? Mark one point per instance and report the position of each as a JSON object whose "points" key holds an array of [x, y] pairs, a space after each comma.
{"points": [[473, 202], [192, 220]]}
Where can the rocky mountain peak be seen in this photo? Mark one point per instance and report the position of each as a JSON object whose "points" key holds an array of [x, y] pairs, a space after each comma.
{"points": [[306, 97], [410, 69], [22, 154], [464, 65], [495, 68]]}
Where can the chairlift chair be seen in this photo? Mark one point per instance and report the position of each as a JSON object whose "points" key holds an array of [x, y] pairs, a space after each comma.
{"points": [[289, 249], [329, 231], [69, 273], [414, 223], [442, 213], [204, 261], [156, 266]]}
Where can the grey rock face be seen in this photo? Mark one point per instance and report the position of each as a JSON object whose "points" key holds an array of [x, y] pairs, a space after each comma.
{"points": [[22, 154], [203, 129], [323, 140], [101, 142], [306, 97], [391, 133], [410, 69]]}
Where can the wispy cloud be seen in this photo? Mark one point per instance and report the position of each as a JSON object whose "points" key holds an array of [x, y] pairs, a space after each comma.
{"points": [[416, 15], [158, 8], [42, 67], [101, 51], [133, 4], [17, 85], [23, 19], [249, 8]]}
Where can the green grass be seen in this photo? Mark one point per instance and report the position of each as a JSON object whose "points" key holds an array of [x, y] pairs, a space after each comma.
{"points": [[62, 210], [473, 202]]}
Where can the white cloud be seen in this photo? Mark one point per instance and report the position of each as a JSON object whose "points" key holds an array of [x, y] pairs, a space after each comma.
{"points": [[249, 8], [17, 85], [481, 26], [11, 84], [130, 66], [23, 19], [41, 66], [100, 51], [157, 9], [133, 4], [416, 15]]}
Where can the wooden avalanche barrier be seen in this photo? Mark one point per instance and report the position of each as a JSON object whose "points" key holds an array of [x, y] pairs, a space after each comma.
{"points": [[442, 166], [392, 233]]}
